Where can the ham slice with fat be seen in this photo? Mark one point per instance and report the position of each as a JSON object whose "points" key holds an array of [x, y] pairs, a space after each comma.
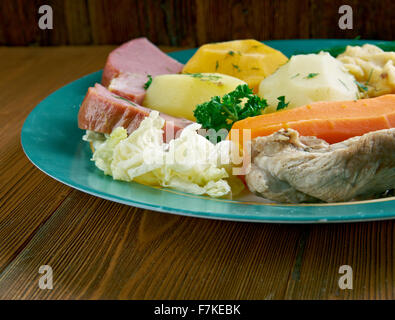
{"points": [[138, 56], [129, 86], [102, 111]]}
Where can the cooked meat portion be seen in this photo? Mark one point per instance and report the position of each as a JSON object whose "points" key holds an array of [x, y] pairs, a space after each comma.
{"points": [[138, 56], [129, 86], [103, 111], [286, 167]]}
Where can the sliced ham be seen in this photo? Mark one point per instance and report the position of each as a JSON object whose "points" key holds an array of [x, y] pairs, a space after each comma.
{"points": [[129, 86], [102, 111], [138, 56]]}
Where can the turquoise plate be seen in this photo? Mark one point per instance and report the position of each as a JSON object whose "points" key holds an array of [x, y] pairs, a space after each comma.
{"points": [[52, 141]]}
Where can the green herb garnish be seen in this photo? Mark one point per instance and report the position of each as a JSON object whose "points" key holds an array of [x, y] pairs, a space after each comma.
{"points": [[281, 103], [231, 53], [236, 67], [370, 76], [216, 65], [311, 75], [221, 113], [148, 83], [295, 75], [361, 87], [122, 98], [204, 77], [342, 82]]}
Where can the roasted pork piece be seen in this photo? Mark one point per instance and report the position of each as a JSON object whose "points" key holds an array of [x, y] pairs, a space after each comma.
{"points": [[289, 168]]}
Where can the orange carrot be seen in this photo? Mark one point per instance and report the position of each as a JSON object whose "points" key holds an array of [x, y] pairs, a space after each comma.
{"points": [[332, 121]]}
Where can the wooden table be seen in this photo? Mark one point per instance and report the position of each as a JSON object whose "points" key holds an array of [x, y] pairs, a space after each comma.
{"points": [[98, 249]]}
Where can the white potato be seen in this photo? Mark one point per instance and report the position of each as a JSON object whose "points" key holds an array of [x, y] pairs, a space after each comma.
{"points": [[306, 79], [179, 94]]}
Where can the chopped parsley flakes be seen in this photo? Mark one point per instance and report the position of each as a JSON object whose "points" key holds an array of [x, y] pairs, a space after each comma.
{"points": [[148, 83], [281, 103], [311, 75], [296, 75], [204, 77], [122, 98], [342, 82], [236, 67], [361, 87]]}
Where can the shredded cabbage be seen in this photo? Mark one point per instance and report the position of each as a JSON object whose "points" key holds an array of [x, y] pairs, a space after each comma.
{"points": [[189, 163]]}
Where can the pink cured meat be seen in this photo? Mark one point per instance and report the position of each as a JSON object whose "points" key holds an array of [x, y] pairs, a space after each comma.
{"points": [[129, 86], [138, 56], [103, 111]]}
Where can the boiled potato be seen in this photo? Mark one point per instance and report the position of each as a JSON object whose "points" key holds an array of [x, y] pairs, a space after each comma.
{"points": [[306, 79], [179, 94], [248, 60]]}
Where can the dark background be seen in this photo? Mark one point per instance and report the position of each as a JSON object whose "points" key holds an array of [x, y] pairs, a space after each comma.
{"points": [[189, 22]]}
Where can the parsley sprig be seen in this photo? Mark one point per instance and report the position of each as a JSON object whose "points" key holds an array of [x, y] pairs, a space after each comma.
{"points": [[221, 113]]}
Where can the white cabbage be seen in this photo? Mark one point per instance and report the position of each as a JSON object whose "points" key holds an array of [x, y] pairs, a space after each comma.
{"points": [[189, 163]]}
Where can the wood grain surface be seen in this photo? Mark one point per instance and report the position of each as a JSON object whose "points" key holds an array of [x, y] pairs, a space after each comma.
{"points": [[103, 250], [190, 22]]}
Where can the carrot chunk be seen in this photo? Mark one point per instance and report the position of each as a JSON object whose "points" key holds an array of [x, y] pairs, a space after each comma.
{"points": [[332, 121]]}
